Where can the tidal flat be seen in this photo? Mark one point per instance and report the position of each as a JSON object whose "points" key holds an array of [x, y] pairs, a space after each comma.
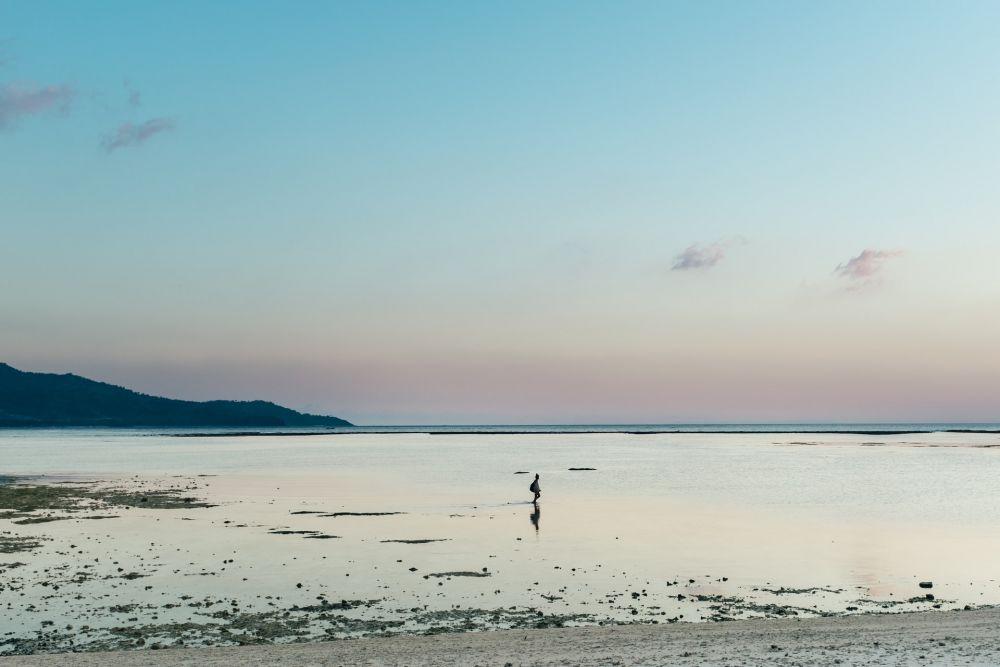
{"points": [[134, 540]]}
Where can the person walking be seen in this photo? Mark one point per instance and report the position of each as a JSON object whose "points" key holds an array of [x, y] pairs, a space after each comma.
{"points": [[536, 488]]}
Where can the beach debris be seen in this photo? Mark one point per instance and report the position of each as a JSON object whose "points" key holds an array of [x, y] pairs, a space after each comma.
{"points": [[326, 605], [12, 544], [800, 591], [421, 541], [338, 514], [926, 584]]}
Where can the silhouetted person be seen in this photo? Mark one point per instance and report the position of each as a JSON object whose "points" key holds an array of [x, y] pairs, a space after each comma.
{"points": [[535, 516], [536, 489]]}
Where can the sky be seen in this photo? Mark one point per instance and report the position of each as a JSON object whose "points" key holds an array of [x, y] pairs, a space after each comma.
{"points": [[509, 212]]}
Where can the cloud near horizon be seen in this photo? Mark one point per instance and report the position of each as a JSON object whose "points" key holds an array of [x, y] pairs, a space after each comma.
{"points": [[863, 270], [17, 101], [131, 134], [697, 256]]}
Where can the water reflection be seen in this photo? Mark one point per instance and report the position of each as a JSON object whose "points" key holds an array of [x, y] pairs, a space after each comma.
{"points": [[536, 515]]}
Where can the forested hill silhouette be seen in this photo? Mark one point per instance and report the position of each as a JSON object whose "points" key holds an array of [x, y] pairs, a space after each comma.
{"points": [[49, 399]]}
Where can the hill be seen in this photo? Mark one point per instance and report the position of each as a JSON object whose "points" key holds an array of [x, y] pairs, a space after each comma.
{"points": [[49, 399]]}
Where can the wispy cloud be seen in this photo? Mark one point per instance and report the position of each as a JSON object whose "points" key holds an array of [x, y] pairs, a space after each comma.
{"points": [[703, 256], [17, 101], [132, 134], [862, 271], [134, 96]]}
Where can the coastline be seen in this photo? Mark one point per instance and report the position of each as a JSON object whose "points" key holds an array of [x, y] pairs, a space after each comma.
{"points": [[929, 637], [557, 431], [761, 428]]}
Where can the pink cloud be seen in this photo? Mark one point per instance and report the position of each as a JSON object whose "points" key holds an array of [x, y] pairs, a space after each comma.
{"points": [[17, 101], [862, 270], [702, 256], [130, 134]]}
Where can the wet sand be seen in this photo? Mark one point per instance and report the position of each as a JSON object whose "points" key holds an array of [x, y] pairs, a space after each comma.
{"points": [[934, 638], [214, 561], [235, 542]]}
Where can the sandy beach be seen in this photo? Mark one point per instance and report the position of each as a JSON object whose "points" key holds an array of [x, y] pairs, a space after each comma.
{"points": [[929, 638]]}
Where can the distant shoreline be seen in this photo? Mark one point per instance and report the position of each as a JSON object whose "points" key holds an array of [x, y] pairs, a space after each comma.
{"points": [[636, 429], [215, 431], [50, 400], [403, 431]]}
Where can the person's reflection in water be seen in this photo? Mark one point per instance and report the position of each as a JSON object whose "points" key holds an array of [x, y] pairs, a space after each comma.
{"points": [[536, 514]]}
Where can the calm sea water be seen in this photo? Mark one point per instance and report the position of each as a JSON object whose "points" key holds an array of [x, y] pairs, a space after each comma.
{"points": [[864, 516], [818, 427]]}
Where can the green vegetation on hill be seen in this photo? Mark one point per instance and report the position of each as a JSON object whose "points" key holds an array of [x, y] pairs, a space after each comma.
{"points": [[49, 399]]}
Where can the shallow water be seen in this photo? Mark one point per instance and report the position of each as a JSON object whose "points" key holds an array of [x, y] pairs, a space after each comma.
{"points": [[725, 516]]}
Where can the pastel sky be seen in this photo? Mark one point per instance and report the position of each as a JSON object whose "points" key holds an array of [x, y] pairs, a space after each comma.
{"points": [[509, 212]]}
